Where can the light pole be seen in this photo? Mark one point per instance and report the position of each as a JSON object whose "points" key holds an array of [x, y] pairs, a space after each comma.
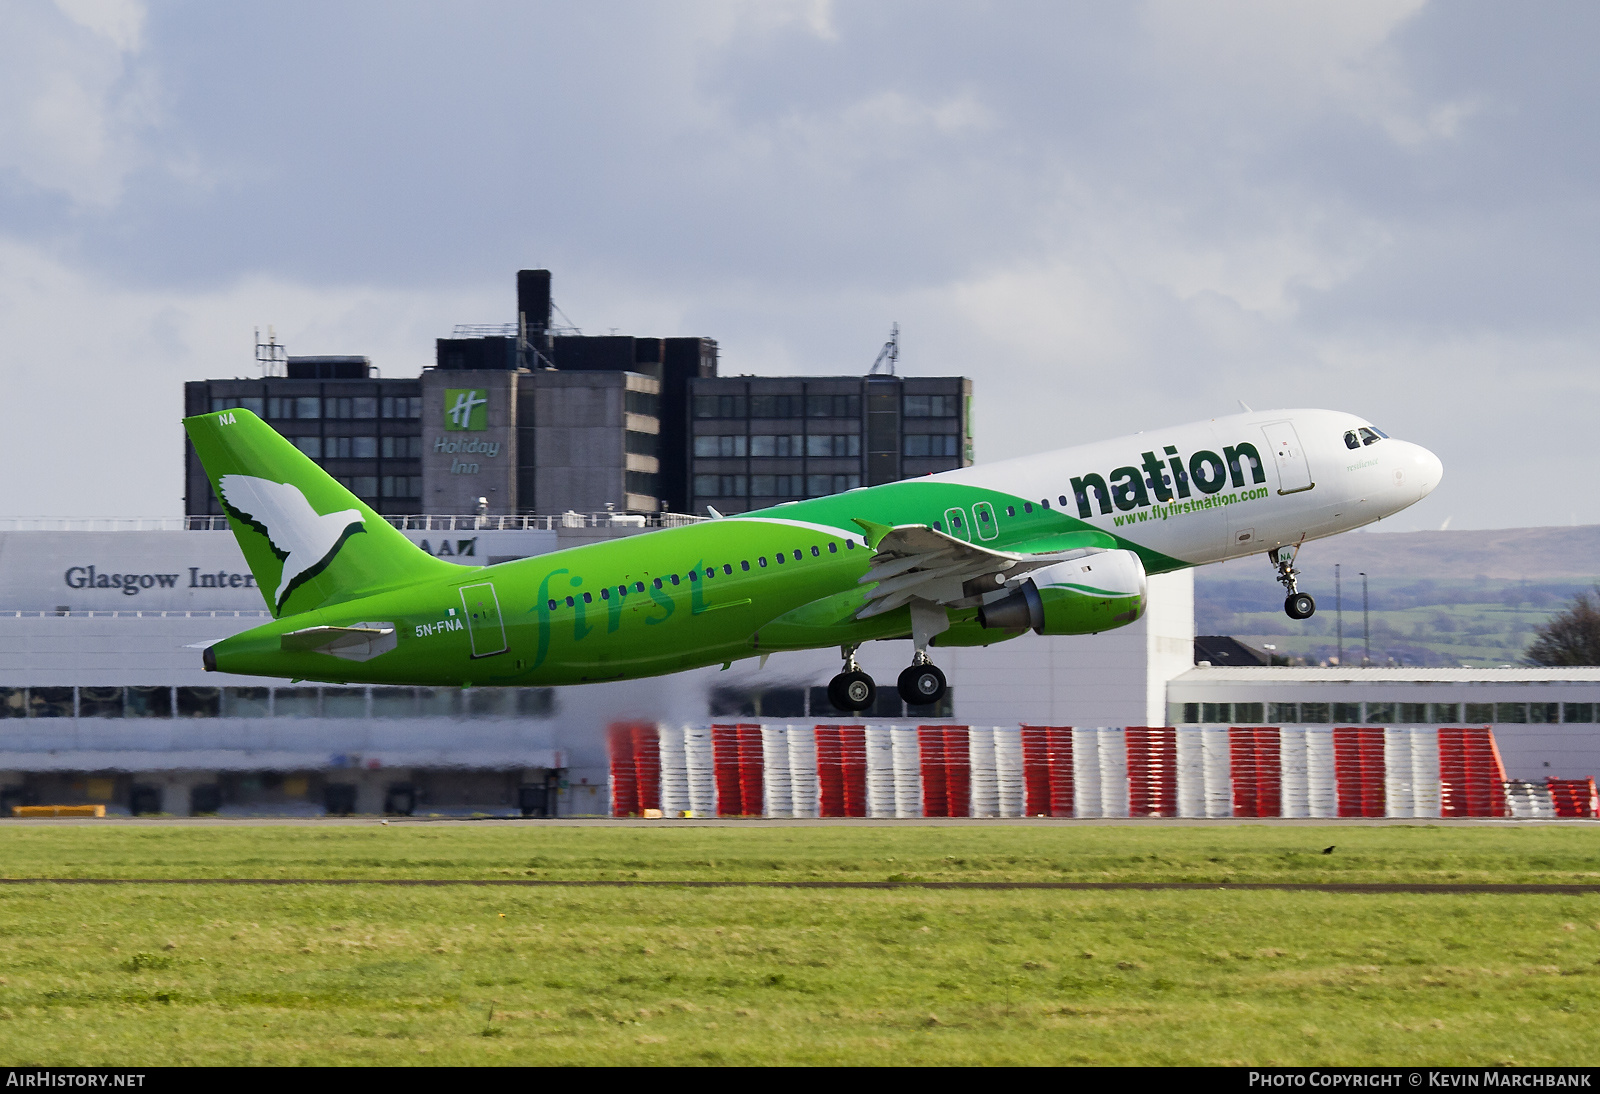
{"points": [[1366, 627], [1338, 612]]}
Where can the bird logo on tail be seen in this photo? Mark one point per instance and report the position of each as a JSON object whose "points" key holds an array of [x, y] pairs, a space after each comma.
{"points": [[304, 539]]}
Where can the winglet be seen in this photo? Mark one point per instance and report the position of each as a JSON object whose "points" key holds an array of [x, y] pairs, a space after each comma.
{"points": [[875, 531]]}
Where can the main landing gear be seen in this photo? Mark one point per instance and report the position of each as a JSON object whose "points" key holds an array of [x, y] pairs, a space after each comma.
{"points": [[1297, 605], [920, 685], [852, 689]]}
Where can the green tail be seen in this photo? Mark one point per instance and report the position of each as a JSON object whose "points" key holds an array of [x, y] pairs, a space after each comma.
{"points": [[309, 541]]}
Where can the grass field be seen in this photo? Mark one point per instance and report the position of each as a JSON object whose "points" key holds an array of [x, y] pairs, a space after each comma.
{"points": [[151, 974]]}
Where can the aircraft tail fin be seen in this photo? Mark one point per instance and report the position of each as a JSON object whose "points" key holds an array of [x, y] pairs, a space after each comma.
{"points": [[308, 540]]}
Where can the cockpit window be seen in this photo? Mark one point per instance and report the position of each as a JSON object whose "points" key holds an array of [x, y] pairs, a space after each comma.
{"points": [[1351, 440], [1369, 436]]}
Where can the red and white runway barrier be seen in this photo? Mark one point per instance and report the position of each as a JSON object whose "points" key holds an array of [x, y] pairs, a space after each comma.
{"points": [[842, 770]]}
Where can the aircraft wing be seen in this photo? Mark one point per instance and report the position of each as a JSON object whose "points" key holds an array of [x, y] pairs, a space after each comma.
{"points": [[916, 562]]}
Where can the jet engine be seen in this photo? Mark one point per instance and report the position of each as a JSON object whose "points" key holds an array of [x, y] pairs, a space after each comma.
{"points": [[1097, 592]]}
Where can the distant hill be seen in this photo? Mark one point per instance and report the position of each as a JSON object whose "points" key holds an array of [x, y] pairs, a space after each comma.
{"points": [[1443, 598], [1501, 554]]}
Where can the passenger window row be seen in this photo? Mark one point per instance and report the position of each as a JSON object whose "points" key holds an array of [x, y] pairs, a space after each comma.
{"points": [[623, 591]]}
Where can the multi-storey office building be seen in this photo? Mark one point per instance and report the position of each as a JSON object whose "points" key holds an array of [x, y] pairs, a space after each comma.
{"points": [[520, 441], [517, 419], [761, 440], [365, 431]]}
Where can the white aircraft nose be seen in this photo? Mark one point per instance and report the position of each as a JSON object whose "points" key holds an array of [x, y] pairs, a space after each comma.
{"points": [[1423, 469]]}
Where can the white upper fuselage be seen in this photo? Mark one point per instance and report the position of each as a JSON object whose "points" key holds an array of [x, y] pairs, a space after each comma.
{"points": [[1286, 476]]}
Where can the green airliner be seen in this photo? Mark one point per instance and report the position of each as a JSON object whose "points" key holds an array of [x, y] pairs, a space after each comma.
{"points": [[1058, 543]]}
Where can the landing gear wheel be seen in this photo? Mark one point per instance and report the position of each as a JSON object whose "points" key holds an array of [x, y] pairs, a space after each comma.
{"points": [[852, 691], [921, 685], [1299, 606]]}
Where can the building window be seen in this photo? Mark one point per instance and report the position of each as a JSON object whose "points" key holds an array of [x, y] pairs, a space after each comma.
{"points": [[1283, 713], [1578, 712], [1511, 713], [1380, 713], [144, 701], [438, 702], [1479, 713], [1315, 714], [639, 482], [836, 445], [344, 702], [296, 703], [253, 403], [1544, 713], [785, 486], [1444, 713], [821, 485], [1346, 713], [362, 486], [311, 446], [200, 702], [393, 703], [833, 406], [784, 446], [349, 448], [777, 406], [1216, 712], [726, 447], [719, 406], [402, 448], [401, 406], [932, 406], [930, 444], [720, 486], [245, 702], [307, 406], [1248, 712], [402, 486], [647, 403], [1185, 713], [1412, 714], [99, 702]]}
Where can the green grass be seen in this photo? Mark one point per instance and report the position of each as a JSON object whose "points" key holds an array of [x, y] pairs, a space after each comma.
{"points": [[152, 974], [913, 852]]}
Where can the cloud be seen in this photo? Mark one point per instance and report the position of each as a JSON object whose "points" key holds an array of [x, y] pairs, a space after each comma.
{"points": [[74, 103], [1110, 216], [95, 371]]}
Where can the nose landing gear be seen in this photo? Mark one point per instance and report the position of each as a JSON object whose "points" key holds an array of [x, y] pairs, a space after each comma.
{"points": [[852, 689], [1297, 605]]}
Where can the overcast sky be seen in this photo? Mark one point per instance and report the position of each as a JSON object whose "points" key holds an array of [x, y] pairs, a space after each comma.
{"points": [[1112, 216]]}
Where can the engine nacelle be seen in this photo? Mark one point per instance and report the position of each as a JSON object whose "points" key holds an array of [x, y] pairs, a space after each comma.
{"points": [[1097, 592]]}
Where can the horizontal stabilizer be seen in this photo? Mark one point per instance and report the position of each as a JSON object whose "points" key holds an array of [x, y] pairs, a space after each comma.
{"points": [[362, 642]]}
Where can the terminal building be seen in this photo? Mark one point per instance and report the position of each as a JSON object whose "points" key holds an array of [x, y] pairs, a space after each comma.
{"points": [[103, 698]]}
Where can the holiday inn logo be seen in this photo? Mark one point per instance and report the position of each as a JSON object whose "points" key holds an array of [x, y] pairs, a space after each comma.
{"points": [[466, 408]]}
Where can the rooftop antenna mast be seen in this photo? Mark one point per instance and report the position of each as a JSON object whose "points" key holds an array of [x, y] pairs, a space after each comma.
{"points": [[888, 355], [271, 355]]}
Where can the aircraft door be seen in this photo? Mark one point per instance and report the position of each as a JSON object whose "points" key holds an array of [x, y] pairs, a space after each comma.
{"points": [[485, 627], [955, 521], [1289, 457], [983, 519]]}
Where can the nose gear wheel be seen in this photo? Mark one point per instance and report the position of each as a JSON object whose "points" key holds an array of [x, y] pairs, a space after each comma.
{"points": [[1297, 605]]}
